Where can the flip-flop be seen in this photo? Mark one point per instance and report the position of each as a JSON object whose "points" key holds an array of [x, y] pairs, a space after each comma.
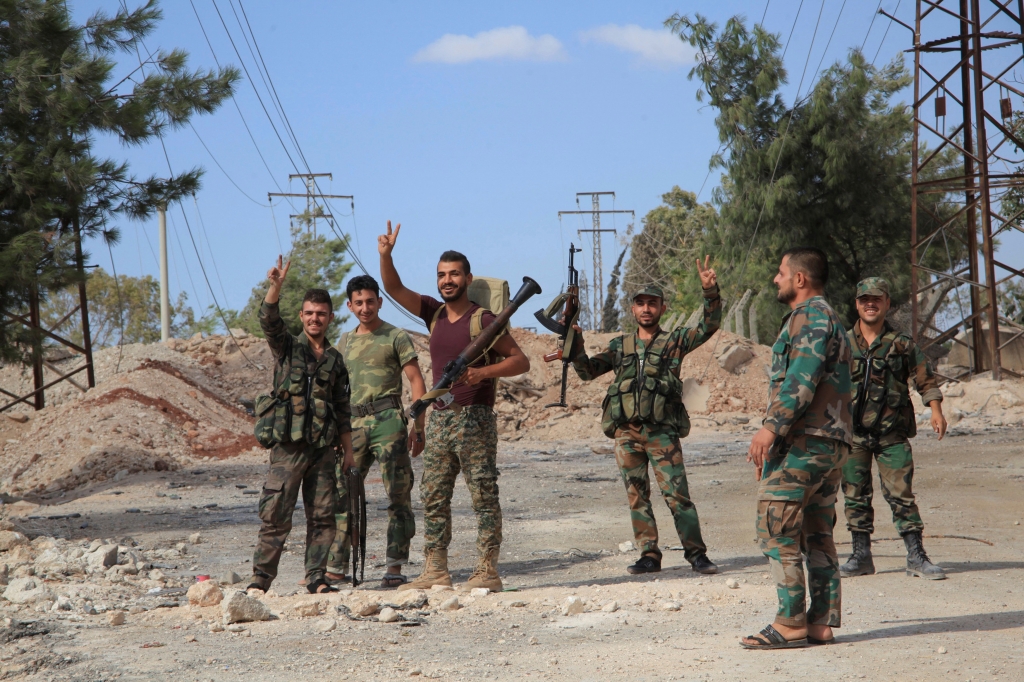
{"points": [[393, 580], [814, 641], [771, 639], [314, 587]]}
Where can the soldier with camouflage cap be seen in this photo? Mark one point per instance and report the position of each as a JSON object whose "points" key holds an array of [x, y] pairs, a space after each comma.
{"points": [[644, 413], [377, 354], [310, 411], [885, 364], [799, 453]]}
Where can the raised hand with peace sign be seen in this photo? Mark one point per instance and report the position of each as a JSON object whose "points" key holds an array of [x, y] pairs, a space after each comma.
{"points": [[276, 276], [386, 242], [708, 278]]}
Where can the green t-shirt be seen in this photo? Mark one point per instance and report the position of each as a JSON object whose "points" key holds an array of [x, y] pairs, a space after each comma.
{"points": [[375, 361]]}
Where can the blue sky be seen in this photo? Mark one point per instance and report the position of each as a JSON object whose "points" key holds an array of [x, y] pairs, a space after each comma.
{"points": [[470, 123]]}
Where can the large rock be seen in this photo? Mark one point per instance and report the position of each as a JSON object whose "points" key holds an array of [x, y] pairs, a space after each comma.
{"points": [[102, 558], [55, 562], [238, 607], [573, 606], [734, 358], [26, 591], [10, 539], [206, 593]]}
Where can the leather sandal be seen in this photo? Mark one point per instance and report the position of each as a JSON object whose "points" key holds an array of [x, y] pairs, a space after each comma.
{"points": [[770, 638], [314, 587]]}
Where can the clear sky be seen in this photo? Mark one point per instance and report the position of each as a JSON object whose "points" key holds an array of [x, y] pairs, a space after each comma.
{"points": [[470, 123]]}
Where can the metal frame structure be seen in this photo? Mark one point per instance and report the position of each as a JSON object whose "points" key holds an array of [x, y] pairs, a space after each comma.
{"points": [[950, 39], [312, 192], [37, 397]]}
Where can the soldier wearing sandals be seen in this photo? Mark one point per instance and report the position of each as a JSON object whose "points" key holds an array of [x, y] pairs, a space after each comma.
{"points": [[799, 453], [377, 354], [303, 422], [885, 363], [462, 437], [644, 413]]}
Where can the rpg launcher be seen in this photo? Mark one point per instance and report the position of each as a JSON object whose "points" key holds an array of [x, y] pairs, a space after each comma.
{"points": [[569, 303], [441, 392]]}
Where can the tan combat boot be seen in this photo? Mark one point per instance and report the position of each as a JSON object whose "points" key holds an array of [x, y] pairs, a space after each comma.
{"points": [[486, 573], [435, 571]]}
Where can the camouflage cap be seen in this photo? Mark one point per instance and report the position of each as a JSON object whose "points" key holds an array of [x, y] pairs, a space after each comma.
{"points": [[872, 286], [650, 290]]}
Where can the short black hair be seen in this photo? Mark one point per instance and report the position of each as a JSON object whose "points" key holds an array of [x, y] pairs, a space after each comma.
{"points": [[811, 261], [362, 283], [319, 296], [455, 257]]}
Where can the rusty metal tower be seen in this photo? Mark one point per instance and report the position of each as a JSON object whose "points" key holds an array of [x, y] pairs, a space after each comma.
{"points": [[966, 53]]}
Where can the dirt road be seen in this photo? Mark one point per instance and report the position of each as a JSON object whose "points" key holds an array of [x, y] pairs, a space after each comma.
{"points": [[564, 520]]}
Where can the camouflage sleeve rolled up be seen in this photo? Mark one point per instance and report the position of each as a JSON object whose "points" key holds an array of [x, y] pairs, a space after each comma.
{"points": [[588, 368], [810, 389], [340, 399], [921, 375], [278, 338]]}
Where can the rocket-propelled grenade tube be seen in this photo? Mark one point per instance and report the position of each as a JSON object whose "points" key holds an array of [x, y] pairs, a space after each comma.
{"points": [[481, 344]]}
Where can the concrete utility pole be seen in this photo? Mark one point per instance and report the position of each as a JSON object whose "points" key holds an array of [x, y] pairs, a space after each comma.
{"points": [[165, 296], [311, 196], [597, 286]]}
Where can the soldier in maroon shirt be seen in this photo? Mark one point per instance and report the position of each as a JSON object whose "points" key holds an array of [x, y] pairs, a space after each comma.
{"points": [[463, 439]]}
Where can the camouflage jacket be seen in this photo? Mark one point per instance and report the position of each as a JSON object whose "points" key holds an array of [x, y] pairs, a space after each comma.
{"points": [[882, 373], [646, 387], [810, 391], [313, 394]]}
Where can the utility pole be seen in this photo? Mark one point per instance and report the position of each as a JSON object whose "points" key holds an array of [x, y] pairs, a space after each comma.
{"points": [[312, 207], [597, 286], [165, 296], [948, 45]]}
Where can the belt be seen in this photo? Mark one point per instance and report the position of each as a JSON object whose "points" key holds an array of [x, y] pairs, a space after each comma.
{"points": [[391, 402]]}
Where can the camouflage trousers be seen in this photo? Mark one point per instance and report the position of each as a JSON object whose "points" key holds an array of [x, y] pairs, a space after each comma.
{"points": [[295, 465], [796, 513], [896, 476], [636, 445], [467, 442], [382, 437]]}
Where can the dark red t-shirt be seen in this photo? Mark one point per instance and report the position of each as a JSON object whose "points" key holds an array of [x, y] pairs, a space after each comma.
{"points": [[446, 342]]}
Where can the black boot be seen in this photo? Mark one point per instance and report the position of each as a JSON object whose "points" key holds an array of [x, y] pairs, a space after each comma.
{"points": [[860, 562], [917, 561]]}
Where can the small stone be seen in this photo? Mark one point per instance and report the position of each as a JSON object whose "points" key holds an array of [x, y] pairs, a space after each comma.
{"points": [[366, 609], [237, 607], [20, 418], [387, 615], [10, 539], [115, 618], [627, 546], [157, 574], [732, 584], [450, 604], [306, 609], [236, 628], [414, 672], [206, 593], [534, 640], [326, 625], [230, 578], [553, 661], [195, 539], [440, 588], [610, 607], [517, 604], [136, 610], [479, 592], [573, 606], [189, 639], [941, 650], [102, 558], [670, 606], [120, 475], [27, 590], [216, 627]]}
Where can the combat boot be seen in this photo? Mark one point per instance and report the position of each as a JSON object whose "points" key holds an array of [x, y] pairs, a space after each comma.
{"points": [[917, 561], [860, 562], [486, 573], [435, 571]]}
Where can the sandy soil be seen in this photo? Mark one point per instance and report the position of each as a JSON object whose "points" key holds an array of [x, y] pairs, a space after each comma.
{"points": [[564, 519]]}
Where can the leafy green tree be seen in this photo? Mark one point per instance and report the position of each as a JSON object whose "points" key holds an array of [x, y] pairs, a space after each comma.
{"points": [[831, 171], [58, 91], [132, 303], [317, 263], [609, 313]]}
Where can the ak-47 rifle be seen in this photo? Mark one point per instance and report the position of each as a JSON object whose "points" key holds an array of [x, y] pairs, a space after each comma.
{"points": [[569, 303], [441, 392], [356, 522]]}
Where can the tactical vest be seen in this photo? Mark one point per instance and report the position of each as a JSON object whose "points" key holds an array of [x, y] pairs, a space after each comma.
{"points": [[644, 390], [883, 393], [300, 409]]}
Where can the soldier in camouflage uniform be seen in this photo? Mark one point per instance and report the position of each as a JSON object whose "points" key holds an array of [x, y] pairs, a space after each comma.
{"points": [[799, 453], [885, 362], [376, 355], [644, 413], [309, 414]]}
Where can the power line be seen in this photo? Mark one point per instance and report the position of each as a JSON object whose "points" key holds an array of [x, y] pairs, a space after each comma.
{"points": [[873, 17], [230, 179], [886, 34]]}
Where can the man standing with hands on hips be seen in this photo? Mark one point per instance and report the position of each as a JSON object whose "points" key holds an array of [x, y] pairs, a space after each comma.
{"points": [[799, 453]]}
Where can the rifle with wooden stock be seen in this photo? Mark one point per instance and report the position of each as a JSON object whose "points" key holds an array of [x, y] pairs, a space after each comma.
{"points": [[569, 303]]}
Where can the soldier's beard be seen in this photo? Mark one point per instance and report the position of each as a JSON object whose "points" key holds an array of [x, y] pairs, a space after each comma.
{"points": [[452, 297], [649, 326], [786, 293]]}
